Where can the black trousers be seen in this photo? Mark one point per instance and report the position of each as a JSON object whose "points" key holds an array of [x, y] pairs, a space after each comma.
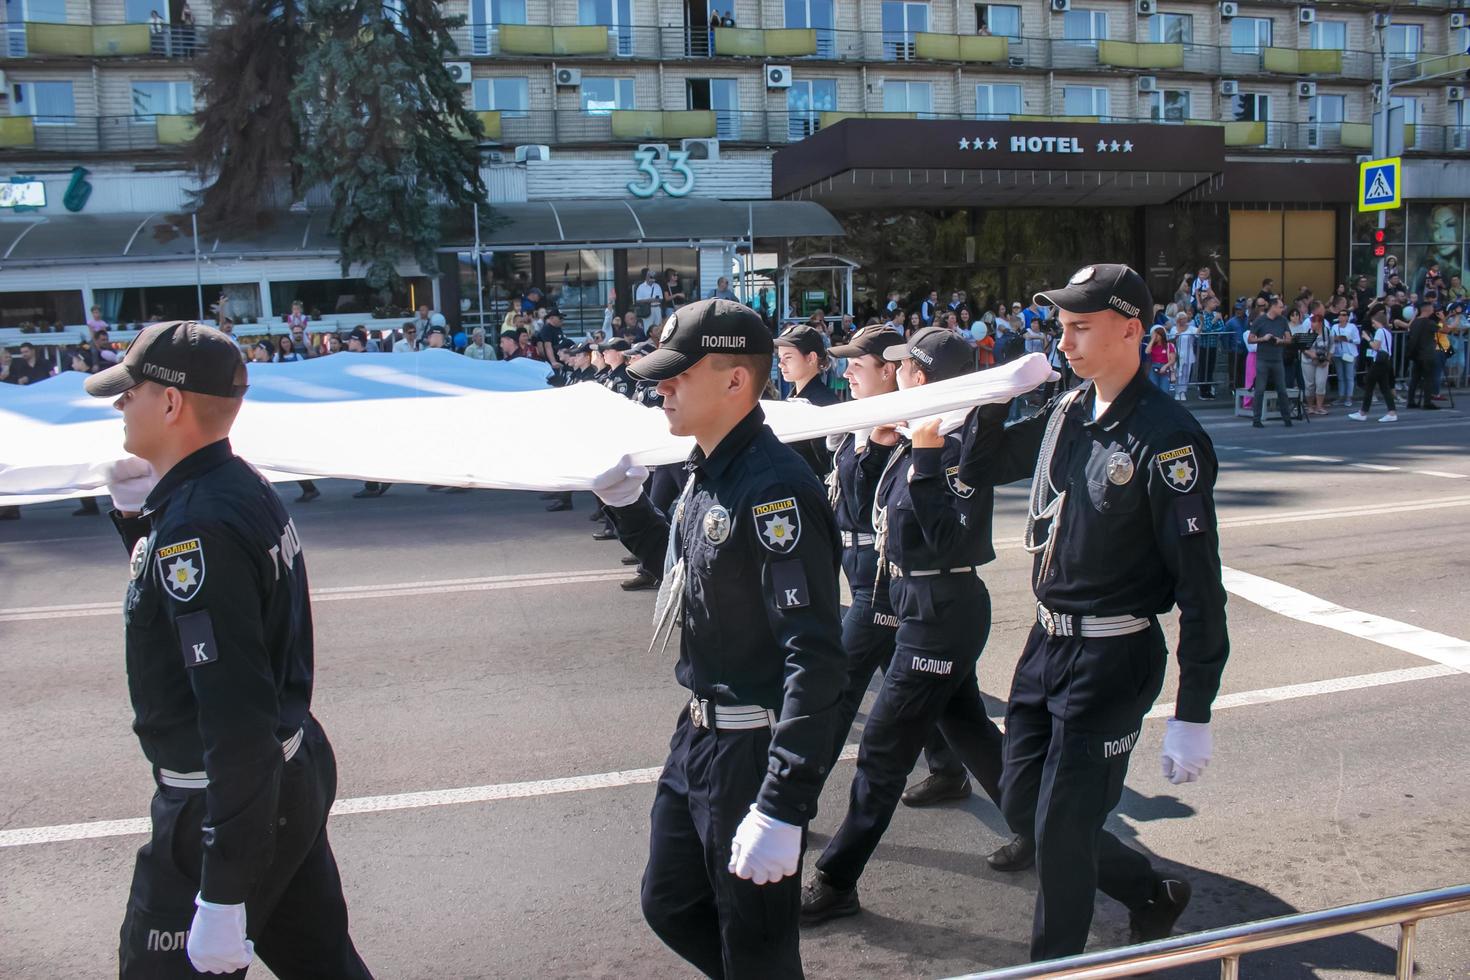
{"points": [[943, 624], [296, 915], [725, 926], [1075, 711], [1379, 374], [1423, 380], [1273, 373], [1205, 370]]}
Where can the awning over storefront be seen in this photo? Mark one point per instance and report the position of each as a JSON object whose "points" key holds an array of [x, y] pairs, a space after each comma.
{"points": [[895, 163], [51, 239]]}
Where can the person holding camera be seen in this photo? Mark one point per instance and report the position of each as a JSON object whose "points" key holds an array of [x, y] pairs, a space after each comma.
{"points": [[1316, 360], [648, 299], [1271, 334]]}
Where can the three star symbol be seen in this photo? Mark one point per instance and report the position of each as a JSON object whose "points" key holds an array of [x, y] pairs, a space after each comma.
{"points": [[1103, 146], [978, 144]]}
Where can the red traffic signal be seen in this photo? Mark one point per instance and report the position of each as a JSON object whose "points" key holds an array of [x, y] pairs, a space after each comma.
{"points": [[1379, 248]]}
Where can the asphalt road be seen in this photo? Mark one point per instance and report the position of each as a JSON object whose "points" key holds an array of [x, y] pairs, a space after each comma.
{"points": [[475, 641]]}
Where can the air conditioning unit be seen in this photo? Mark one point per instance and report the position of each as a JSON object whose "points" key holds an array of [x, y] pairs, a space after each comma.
{"points": [[701, 149], [778, 76], [1455, 93], [1380, 21], [1229, 10], [1148, 83], [1014, 62], [1060, 6], [1306, 90], [569, 77], [1458, 21], [660, 151], [1145, 8], [459, 71], [1306, 15], [1229, 86], [533, 151]]}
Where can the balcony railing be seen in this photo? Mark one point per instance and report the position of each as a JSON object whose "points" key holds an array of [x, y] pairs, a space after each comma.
{"points": [[40, 135], [32, 39]]}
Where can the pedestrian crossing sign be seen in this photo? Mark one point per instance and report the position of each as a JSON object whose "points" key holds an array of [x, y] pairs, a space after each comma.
{"points": [[1378, 184]]}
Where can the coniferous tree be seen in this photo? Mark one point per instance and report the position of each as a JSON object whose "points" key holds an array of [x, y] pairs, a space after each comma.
{"points": [[381, 127], [248, 139]]}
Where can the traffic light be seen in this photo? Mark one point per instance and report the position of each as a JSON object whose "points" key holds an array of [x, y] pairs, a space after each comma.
{"points": [[1379, 248]]}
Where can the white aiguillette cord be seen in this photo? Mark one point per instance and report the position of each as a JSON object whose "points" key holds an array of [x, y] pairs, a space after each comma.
{"points": [[1044, 506], [670, 600]]}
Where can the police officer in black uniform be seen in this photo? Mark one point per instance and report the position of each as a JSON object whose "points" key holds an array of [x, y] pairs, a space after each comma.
{"points": [[1122, 525], [869, 626], [219, 664], [614, 355], [751, 574], [802, 353], [933, 536], [645, 392]]}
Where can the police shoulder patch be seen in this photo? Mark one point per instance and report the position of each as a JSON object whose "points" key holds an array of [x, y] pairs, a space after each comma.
{"points": [[959, 487], [1179, 468], [181, 568], [778, 524], [196, 639], [139, 557]]}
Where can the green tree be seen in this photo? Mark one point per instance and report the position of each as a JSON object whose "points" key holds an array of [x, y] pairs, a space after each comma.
{"points": [[248, 139], [385, 129]]}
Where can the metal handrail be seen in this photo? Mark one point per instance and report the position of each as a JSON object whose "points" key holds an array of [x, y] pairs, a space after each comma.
{"points": [[1226, 946]]}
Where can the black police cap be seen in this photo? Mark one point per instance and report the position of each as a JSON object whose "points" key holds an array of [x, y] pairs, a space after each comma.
{"points": [[1095, 288], [869, 340], [708, 326], [179, 354], [617, 343], [940, 352], [806, 339]]}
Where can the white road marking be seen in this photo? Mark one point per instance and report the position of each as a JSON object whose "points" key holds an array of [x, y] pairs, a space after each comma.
{"points": [[1339, 461], [1376, 467], [1442, 474]]}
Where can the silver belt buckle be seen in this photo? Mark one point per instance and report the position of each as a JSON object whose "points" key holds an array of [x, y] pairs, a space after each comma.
{"points": [[699, 713], [1047, 618]]}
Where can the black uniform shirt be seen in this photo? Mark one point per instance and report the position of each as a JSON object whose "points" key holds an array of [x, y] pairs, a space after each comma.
{"points": [[219, 649], [815, 451], [855, 475], [618, 380], [935, 521], [646, 393], [761, 619], [1137, 532]]}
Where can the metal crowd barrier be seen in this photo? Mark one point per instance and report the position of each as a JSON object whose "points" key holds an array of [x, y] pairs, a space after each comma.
{"points": [[1226, 946]]}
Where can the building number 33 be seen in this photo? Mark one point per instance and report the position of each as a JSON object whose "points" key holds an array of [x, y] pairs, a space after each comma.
{"points": [[678, 163]]}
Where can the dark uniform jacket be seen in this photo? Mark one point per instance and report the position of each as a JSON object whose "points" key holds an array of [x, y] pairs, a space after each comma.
{"points": [[646, 393], [618, 380], [761, 620], [815, 451], [854, 487], [1137, 533], [219, 649], [934, 520]]}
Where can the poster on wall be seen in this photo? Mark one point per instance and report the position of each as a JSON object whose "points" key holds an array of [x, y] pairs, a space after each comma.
{"points": [[1436, 237]]}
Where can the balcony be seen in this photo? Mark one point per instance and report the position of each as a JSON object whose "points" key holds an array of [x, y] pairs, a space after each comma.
{"points": [[1147, 56], [1293, 61], [640, 125], [44, 40], [524, 39], [94, 134]]}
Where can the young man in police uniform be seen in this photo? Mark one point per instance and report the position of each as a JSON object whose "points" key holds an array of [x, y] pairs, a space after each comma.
{"points": [[750, 560], [219, 664], [1122, 524]]}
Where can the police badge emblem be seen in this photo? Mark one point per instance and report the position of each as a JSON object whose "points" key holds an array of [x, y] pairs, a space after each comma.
{"points": [[778, 524], [181, 566], [139, 558], [1082, 275], [957, 486], [716, 524], [1120, 469], [1179, 468]]}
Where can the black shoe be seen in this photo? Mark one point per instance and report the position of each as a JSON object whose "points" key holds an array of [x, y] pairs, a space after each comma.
{"points": [[639, 583], [1017, 854], [307, 496], [821, 900], [9, 513], [1429, 406], [605, 534], [558, 505], [1286, 422], [1258, 424], [382, 489], [630, 559], [937, 788], [87, 509], [596, 515], [1156, 919], [370, 490]]}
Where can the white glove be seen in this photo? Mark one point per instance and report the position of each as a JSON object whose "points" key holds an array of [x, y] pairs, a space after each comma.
{"points": [[765, 849], [217, 942], [620, 486], [1188, 746], [834, 440], [129, 481]]}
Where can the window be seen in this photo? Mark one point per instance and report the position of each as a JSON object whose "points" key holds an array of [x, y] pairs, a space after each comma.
{"points": [[1001, 19], [18, 12], [1248, 35], [602, 95], [49, 102], [1249, 107], [508, 96], [1405, 41], [487, 15], [1329, 35], [901, 20], [1084, 100], [617, 15], [1085, 26], [994, 101], [1169, 106], [1324, 113], [1410, 105], [142, 11], [806, 99], [908, 97], [162, 98], [723, 96], [1172, 29], [815, 14]]}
